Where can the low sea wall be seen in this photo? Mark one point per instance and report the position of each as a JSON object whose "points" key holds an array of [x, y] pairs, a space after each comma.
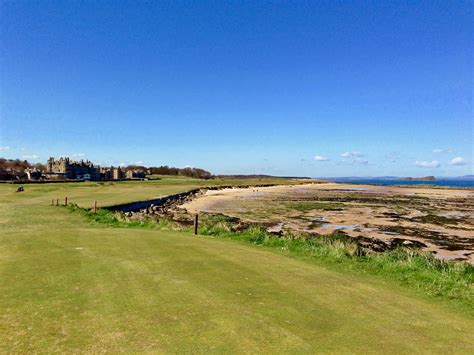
{"points": [[138, 205]]}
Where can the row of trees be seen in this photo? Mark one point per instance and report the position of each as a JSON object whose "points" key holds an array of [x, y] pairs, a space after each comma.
{"points": [[17, 164], [13, 168], [188, 171]]}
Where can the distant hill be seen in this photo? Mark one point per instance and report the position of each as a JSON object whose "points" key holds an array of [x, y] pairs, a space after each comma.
{"points": [[425, 178], [355, 178], [459, 178], [261, 176]]}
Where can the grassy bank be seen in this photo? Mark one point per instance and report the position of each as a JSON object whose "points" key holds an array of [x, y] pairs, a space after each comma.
{"points": [[71, 284], [450, 282]]}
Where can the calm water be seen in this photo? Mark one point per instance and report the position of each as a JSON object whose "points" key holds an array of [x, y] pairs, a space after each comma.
{"points": [[451, 183]]}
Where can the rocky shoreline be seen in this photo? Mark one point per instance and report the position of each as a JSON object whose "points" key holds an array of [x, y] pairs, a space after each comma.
{"points": [[171, 207], [377, 218], [163, 205]]}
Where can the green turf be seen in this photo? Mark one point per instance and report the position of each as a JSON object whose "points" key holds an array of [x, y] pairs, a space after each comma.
{"points": [[69, 285], [114, 192]]}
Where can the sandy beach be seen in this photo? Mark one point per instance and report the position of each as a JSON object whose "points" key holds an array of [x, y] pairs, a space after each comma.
{"points": [[440, 218]]}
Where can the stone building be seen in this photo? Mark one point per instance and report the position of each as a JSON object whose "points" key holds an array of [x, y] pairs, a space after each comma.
{"points": [[64, 168], [112, 173], [69, 169], [135, 174], [105, 173], [116, 173]]}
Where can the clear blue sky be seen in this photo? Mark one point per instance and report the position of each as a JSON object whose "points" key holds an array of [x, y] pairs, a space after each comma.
{"points": [[317, 88]]}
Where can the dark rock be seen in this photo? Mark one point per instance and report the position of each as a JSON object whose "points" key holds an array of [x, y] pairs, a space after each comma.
{"points": [[397, 242], [276, 229], [371, 243]]}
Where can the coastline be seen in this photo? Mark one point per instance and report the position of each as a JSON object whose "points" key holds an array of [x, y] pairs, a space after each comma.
{"points": [[442, 183], [375, 219]]}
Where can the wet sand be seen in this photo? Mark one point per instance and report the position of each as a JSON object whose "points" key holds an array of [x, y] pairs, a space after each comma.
{"points": [[441, 218]]}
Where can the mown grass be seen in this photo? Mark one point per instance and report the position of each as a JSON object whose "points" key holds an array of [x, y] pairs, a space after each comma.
{"points": [[414, 268], [81, 283], [117, 192], [448, 281]]}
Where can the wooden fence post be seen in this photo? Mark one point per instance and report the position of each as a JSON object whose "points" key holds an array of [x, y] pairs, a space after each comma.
{"points": [[52, 202], [57, 202], [95, 207], [196, 224], [65, 201]]}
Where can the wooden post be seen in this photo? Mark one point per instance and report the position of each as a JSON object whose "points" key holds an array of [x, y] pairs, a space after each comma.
{"points": [[196, 224], [52, 202], [65, 201], [57, 202], [95, 207]]}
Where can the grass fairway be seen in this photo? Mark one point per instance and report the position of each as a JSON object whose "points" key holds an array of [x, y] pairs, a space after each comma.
{"points": [[114, 192], [68, 285]]}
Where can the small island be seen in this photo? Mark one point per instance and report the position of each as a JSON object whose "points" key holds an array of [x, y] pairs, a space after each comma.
{"points": [[424, 178]]}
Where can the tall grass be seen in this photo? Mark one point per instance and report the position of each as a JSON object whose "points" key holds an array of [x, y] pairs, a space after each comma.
{"points": [[117, 219]]}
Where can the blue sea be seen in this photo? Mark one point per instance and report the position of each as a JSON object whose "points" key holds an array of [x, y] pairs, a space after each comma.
{"points": [[450, 183]]}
